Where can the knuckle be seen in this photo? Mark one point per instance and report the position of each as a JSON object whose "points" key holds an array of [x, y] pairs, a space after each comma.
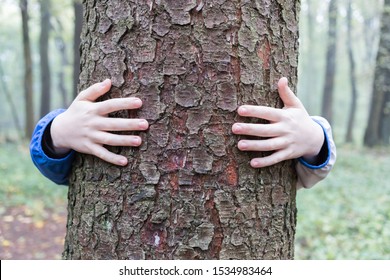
{"points": [[273, 159], [106, 139], [270, 146]]}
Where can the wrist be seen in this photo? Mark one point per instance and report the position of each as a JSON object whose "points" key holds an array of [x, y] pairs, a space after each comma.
{"points": [[318, 139], [58, 143]]}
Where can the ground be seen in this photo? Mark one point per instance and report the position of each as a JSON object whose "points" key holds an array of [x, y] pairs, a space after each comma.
{"points": [[23, 237]]}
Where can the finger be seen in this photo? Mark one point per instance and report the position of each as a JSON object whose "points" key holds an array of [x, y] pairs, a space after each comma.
{"points": [[117, 104], [270, 160], [272, 144], [95, 91], [261, 112], [108, 156], [259, 130], [112, 139], [288, 97], [117, 124]]}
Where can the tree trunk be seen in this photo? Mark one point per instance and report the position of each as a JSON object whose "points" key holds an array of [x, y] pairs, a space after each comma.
{"points": [[310, 73], [378, 127], [61, 47], [188, 192], [371, 32], [327, 100], [11, 103], [44, 55], [78, 24], [61, 73], [352, 75], [28, 79]]}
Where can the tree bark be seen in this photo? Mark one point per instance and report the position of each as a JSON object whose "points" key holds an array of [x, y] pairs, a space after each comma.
{"points": [[188, 192], [378, 127], [44, 55], [327, 100], [28, 78]]}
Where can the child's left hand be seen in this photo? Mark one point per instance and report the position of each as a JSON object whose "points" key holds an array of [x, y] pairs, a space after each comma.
{"points": [[291, 133]]}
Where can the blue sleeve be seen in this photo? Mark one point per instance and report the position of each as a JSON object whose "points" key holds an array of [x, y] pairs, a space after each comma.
{"points": [[324, 156], [56, 169]]}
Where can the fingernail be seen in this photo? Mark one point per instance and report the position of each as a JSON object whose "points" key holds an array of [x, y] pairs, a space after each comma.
{"points": [[242, 145], [137, 141], [143, 124], [237, 127], [255, 163], [242, 110], [123, 161], [138, 101], [105, 83]]}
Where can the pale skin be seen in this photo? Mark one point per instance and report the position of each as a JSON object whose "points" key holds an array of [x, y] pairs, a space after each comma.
{"points": [[291, 132], [85, 127]]}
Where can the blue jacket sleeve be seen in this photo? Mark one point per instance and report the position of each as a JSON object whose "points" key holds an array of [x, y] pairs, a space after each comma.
{"points": [[310, 174], [56, 169]]}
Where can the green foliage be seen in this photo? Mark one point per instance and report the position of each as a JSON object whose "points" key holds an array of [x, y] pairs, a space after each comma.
{"points": [[347, 216], [21, 183]]}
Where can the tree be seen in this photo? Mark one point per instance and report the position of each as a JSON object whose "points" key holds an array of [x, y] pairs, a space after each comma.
{"points": [[78, 23], [187, 193], [28, 79], [378, 127], [61, 47], [11, 103], [309, 58], [327, 98], [352, 74], [44, 55]]}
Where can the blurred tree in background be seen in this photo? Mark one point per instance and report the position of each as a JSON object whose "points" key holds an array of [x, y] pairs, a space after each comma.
{"points": [[78, 23], [28, 78], [352, 76], [330, 69], [30, 58], [378, 127], [356, 222], [45, 23], [63, 22]]}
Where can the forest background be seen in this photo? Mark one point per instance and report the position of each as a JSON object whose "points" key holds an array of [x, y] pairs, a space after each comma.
{"points": [[347, 216]]}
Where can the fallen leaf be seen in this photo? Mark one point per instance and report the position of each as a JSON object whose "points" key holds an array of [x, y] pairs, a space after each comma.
{"points": [[39, 224], [8, 219], [6, 243]]}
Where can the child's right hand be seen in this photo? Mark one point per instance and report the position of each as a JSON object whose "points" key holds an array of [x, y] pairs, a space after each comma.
{"points": [[85, 127]]}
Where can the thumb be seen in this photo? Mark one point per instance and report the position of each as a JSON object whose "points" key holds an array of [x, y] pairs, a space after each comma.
{"points": [[95, 91], [288, 97]]}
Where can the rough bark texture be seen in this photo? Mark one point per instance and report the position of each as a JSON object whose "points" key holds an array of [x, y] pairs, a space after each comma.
{"points": [[378, 128], [28, 78], [187, 193]]}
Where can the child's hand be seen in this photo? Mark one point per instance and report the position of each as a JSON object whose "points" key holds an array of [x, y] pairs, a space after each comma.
{"points": [[85, 127], [291, 133]]}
